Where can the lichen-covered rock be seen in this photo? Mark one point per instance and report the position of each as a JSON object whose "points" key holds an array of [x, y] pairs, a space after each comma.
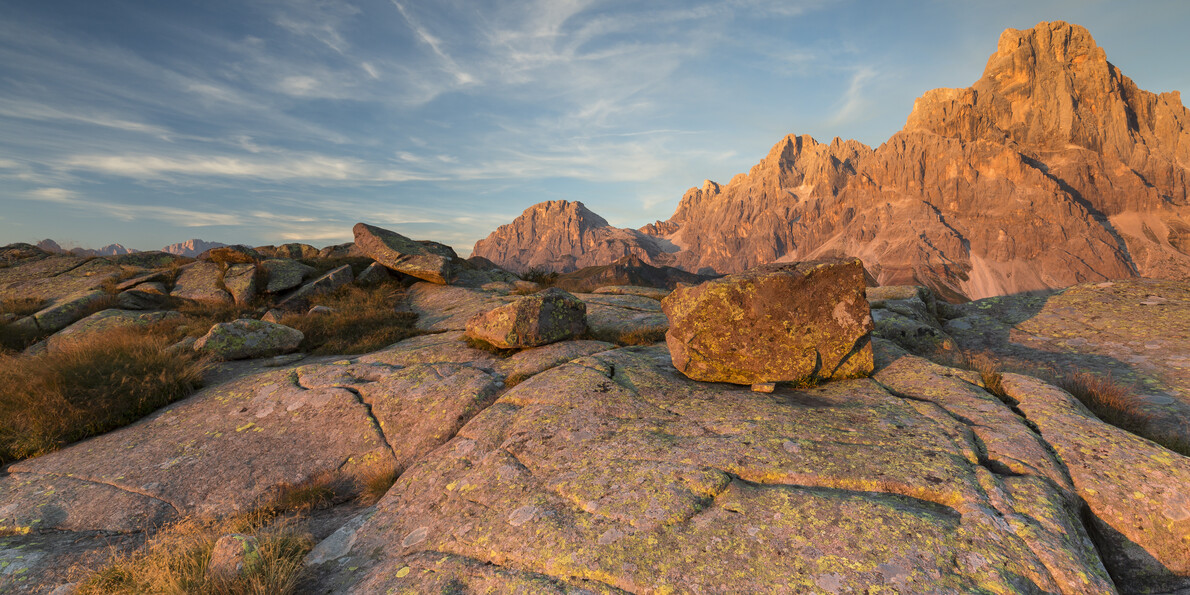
{"points": [[104, 321], [67, 310], [240, 281], [430, 261], [234, 555], [1135, 489], [284, 273], [546, 317], [773, 323], [202, 282], [327, 283], [246, 338], [138, 299]]}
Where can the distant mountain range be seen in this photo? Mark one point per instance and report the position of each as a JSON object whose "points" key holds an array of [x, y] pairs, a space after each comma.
{"points": [[1052, 169], [189, 248]]}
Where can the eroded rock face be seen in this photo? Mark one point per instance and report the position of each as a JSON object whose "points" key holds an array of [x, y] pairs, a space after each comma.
{"points": [[430, 261], [1053, 169], [247, 338], [546, 317], [773, 323]]}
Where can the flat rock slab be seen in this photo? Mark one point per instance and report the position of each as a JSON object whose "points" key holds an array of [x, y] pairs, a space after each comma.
{"points": [[31, 502], [1135, 489], [201, 282], [222, 449], [55, 277], [613, 473], [530, 362], [40, 563], [67, 309], [332, 280], [447, 307], [647, 292], [1136, 331]]}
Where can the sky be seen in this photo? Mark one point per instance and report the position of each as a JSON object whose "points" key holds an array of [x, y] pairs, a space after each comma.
{"points": [[258, 122]]}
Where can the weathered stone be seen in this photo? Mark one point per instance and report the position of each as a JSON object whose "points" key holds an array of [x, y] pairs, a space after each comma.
{"points": [[291, 250], [102, 322], [153, 287], [774, 323], [327, 283], [546, 317], [319, 310], [273, 315], [425, 260], [67, 310], [648, 292], [529, 362], [240, 281], [246, 338], [234, 555], [284, 273], [910, 333], [56, 277], [201, 282], [1135, 489], [374, 273], [447, 307], [615, 474], [143, 278]]}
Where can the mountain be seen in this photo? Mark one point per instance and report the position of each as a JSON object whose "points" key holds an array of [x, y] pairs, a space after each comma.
{"points": [[562, 236], [191, 248], [1052, 169], [109, 250]]}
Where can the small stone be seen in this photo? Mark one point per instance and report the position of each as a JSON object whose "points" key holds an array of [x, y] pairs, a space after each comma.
{"points": [[273, 315], [320, 310], [373, 274], [234, 555], [764, 387]]}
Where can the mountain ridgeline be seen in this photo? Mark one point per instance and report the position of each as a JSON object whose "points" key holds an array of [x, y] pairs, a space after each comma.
{"points": [[1052, 169]]}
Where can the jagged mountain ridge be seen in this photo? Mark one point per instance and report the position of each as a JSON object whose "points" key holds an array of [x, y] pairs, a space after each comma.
{"points": [[191, 248], [1052, 169]]}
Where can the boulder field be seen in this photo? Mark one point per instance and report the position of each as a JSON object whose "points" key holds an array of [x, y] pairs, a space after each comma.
{"points": [[584, 467]]}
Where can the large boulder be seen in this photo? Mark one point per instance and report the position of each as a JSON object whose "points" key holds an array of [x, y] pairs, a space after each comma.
{"points": [[67, 310], [246, 338], [202, 282], [284, 273], [539, 319], [773, 323], [430, 261]]}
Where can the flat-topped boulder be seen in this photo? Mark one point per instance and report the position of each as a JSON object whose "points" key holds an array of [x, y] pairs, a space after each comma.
{"points": [[284, 273], [429, 261], [773, 323], [545, 317]]}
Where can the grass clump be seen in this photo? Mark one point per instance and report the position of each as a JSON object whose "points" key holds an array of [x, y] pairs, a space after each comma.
{"points": [[175, 560], [361, 320], [626, 338], [21, 306], [89, 386]]}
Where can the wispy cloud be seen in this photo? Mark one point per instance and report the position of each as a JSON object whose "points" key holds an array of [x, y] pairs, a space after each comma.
{"points": [[854, 100]]}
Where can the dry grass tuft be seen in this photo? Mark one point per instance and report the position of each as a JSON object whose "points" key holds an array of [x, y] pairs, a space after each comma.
{"points": [[375, 481], [316, 493], [362, 321], [92, 385], [638, 336], [175, 560], [1105, 398], [21, 306]]}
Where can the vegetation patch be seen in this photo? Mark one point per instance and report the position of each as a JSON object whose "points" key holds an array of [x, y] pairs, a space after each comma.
{"points": [[91, 385], [175, 560], [638, 336], [361, 320]]}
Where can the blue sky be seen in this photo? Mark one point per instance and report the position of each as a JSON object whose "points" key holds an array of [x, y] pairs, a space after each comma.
{"points": [[245, 121]]}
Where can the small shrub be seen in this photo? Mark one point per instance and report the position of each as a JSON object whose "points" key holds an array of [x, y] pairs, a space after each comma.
{"points": [[21, 306], [362, 320], [375, 481], [90, 386], [175, 559], [1109, 401], [316, 493]]}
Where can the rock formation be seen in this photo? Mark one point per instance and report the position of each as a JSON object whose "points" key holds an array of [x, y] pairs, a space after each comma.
{"points": [[1052, 169], [562, 236]]}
